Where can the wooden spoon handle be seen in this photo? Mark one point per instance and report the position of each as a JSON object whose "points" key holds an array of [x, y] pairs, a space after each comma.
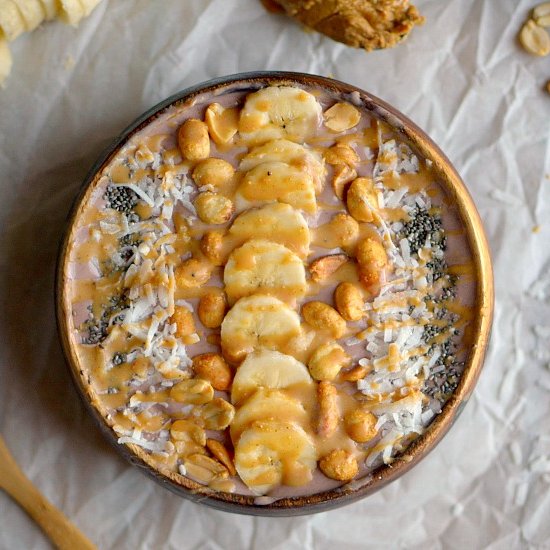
{"points": [[59, 529]]}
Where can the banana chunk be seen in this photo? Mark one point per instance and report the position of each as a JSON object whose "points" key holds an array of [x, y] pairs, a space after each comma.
{"points": [[257, 322], [294, 154], [267, 369], [267, 404], [51, 8], [265, 267], [272, 453], [277, 222], [11, 20], [277, 181], [5, 61], [32, 12], [71, 12], [279, 112]]}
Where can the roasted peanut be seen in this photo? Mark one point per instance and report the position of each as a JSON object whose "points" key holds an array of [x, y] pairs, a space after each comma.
{"points": [[213, 368], [214, 208], [372, 259], [212, 171], [371, 252], [192, 273], [211, 310], [360, 425], [356, 373], [541, 14], [324, 267], [217, 414], [362, 199], [186, 430], [339, 464], [222, 454], [341, 154], [327, 361], [349, 301], [329, 412], [212, 247], [193, 140], [204, 469], [534, 39], [185, 323], [343, 175], [188, 447], [192, 392], [323, 317], [222, 123], [344, 230], [341, 117]]}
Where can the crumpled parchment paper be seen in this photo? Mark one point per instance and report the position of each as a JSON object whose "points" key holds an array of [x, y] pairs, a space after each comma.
{"points": [[464, 79]]}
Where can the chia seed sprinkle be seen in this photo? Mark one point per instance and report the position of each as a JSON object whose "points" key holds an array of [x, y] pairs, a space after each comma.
{"points": [[120, 198], [421, 227]]}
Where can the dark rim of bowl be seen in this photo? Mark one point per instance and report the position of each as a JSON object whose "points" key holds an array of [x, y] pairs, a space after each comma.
{"points": [[456, 190]]}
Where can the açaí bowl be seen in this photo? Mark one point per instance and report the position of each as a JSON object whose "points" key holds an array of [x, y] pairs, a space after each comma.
{"points": [[480, 325]]}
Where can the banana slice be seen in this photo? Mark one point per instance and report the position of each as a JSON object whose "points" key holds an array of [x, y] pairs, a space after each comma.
{"points": [[71, 12], [11, 20], [264, 405], [277, 181], [51, 8], [267, 369], [272, 453], [5, 61], [279, 112], [277, 222], [32, 12], [261, 266], [283, 150], [257, 322]]}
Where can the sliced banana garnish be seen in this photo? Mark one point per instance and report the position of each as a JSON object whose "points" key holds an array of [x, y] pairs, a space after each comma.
{"points": [[257, 322], [72, 11], [278, 222], [277, 181], [265, 267], [51, 8], [32, 12], [267, 369], [11, 20], [266, 404], [279, 112], [270, 453], [294, 154]]}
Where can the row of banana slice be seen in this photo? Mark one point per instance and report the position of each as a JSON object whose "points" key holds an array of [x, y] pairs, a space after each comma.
{"points": [[263, 280], [19, 16]]}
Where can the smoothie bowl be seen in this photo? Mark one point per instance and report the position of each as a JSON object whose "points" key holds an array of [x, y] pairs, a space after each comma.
{"points": [[274, 293]]}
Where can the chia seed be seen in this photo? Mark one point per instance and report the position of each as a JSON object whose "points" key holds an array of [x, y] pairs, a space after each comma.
{"points": [[421, 227], [120, 198], [95, 328]]}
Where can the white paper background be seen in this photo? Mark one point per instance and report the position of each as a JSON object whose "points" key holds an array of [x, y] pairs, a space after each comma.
{"points": [[464, 79]]}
